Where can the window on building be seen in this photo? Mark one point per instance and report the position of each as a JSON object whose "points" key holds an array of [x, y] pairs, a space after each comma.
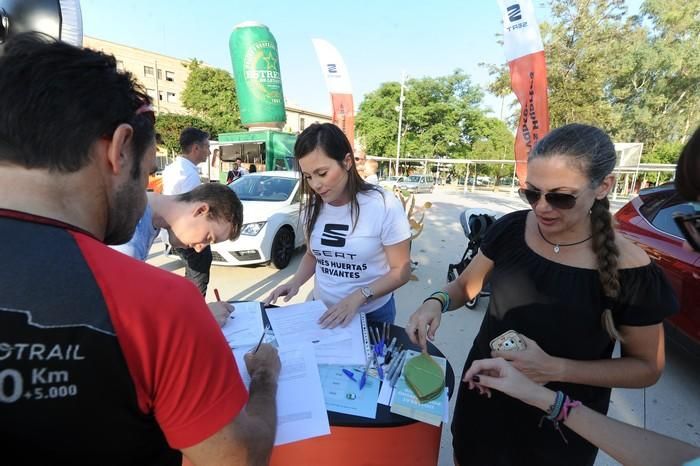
{"points": [[160, 95], [171, 97], [148, 71], [160, 74], [302, 124], [151, 93], [169, 76], [120, 65]]}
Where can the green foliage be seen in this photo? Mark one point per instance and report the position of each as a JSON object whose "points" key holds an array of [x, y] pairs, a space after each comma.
{"points": [[666, 152], [210, 93], [441, 117], [495, 143], [170, 125], [638, 77]]}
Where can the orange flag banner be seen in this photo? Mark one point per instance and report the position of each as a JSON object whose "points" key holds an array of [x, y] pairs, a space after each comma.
{"points": [[528, 77]]}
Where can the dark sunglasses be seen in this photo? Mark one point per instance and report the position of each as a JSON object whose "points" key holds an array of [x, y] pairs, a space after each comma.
{"points": [[556, 200], [689, 225]]}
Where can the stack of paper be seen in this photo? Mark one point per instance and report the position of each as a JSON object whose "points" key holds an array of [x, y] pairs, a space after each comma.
{"points": [[301, 412]]}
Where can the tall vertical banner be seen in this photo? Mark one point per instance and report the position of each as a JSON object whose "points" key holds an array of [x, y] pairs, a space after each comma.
{"points": [[528, 77], [338, 83]]}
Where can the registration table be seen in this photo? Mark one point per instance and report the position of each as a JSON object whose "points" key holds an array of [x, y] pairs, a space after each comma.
{"points": [[389, 439]]}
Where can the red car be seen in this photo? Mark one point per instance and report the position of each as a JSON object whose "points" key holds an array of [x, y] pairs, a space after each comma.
{"points": [[648, 221]]}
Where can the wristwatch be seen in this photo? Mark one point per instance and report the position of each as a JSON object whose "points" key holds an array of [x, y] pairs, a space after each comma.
{"points": [[367, 292]]}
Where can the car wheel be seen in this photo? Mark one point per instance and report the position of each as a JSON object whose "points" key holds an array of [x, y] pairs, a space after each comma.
{"points": [[282, 248]]}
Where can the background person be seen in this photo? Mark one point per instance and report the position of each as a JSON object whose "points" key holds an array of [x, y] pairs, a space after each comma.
{"points": [[208, 214], [561, 278], [371, 167], [180, 177], [357, 234], [241, 169], [145, 373]]}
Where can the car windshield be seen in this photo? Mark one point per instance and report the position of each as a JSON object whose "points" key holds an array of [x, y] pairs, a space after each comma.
{"points": [[414, 178], [263, 188], [393, 178]]}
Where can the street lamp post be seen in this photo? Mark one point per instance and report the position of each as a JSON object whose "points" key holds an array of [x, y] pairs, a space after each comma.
{"points": [[398, 137]]}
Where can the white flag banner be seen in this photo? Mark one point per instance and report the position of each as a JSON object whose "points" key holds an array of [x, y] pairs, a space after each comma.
{"points": [[333, 67], [521, 33]]}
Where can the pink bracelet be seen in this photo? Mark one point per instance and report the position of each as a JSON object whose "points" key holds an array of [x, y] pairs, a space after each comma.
{"points": [[569, 404]]}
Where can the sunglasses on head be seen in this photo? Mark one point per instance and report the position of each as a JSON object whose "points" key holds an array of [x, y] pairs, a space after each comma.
{"points": [[556, 200]]}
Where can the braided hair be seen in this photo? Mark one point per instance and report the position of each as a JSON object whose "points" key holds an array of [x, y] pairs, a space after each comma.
{"points": [[592, 150]]}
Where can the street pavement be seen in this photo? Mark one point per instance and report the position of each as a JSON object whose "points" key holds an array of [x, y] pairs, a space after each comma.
{"points": [[671, 406]]}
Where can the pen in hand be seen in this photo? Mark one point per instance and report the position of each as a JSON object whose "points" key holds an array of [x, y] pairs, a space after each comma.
{"points": [[261, 339]]}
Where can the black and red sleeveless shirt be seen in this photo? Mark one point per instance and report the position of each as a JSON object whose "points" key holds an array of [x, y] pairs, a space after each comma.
{"points": [[103, 359]]}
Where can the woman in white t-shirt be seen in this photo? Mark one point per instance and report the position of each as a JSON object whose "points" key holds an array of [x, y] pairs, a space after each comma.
{"points": [[357, 234]]}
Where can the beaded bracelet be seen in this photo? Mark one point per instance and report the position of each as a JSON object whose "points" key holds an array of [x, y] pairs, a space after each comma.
{"points": [[443, 298]]}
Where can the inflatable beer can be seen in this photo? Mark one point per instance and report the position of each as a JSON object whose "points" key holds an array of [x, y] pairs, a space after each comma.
{"points": [[256, 70]]}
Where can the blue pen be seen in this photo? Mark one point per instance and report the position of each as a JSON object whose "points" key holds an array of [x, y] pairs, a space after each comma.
{"points": [[380, 371], [363, 379], [350, 374]]}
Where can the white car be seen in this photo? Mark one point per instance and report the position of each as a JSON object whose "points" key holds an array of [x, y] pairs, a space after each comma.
{"points": [[417, 184], [390, 182], [271, 229]]}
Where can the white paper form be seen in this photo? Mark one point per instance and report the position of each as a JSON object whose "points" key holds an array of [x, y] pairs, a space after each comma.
{"points": [[301, 410], [349, 352], [298, 324], [245, 325]]}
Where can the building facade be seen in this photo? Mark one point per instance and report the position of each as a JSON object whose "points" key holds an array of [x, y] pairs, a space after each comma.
{"points": [[164, 78]]}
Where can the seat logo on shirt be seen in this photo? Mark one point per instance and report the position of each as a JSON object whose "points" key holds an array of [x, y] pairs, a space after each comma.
{"points": [[334, 235]]}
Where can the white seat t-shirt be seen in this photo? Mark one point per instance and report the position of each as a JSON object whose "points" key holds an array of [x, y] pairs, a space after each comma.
{"points": [[347, 260]]}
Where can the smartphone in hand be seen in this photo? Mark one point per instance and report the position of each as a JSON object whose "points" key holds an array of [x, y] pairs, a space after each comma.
{"points": [[508, 341]]}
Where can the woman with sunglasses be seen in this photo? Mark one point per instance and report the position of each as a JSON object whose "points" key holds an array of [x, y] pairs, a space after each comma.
{"points": [[357, 234], [570, 287]]}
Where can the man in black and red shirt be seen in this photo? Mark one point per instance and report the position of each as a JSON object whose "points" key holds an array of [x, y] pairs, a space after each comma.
{"points": [[103, 359]]}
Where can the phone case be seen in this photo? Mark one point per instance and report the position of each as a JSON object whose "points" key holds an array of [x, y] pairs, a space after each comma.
{"points": [[508, 341]]}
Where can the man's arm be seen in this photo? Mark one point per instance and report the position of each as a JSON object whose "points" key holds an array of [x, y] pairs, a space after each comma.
{"points": [[249, 438]]}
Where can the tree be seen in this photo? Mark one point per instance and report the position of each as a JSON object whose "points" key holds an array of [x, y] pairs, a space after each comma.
{"points": [[210, 93], [637, 77], [441, 117], [495, 143], [170, 125], [659, 89]]}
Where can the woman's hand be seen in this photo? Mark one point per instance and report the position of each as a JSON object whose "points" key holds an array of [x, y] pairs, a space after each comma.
{"points": [[499, 374], [343, 312], [424, 323], [288, 290], [537, 365], [221, 311]]}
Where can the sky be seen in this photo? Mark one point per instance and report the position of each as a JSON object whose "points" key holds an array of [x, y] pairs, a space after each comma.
{"points": [[378, 39]]}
